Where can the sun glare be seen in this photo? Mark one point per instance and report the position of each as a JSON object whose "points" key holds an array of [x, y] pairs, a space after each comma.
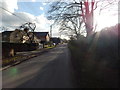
{"points": [[105, 21]]}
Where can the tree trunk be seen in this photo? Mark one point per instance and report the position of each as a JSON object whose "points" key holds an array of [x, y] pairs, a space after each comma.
{"points": [[88, 16]]}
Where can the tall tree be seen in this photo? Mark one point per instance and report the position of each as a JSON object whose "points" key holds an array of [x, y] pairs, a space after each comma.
{"points": [[68, 16], [87, 9], [76, 16]]}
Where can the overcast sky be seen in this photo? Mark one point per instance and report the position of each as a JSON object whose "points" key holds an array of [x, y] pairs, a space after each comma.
{"points": [[35, 11]]}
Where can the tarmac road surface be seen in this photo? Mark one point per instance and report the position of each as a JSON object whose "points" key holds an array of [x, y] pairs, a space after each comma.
{"points": [[52, 69]]}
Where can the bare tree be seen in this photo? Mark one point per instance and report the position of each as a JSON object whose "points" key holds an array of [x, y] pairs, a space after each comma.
{"points": [[68, 16], [29, 27], [76, 17]]}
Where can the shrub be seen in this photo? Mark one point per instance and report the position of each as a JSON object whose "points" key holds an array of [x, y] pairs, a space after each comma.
{"points": [[96, 56]]}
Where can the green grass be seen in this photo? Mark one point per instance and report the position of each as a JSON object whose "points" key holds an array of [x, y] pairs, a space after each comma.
{"points": [[10, 60], [14, 59], [50, 47]]}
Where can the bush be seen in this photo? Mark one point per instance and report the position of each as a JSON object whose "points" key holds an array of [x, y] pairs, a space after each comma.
{"points": [[95, 59]]}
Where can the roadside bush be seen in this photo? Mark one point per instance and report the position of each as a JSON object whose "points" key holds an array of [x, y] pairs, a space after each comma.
{"points": [[95, 59]]}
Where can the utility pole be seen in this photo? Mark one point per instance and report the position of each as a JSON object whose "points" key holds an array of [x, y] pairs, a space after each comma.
{"points": [[50, 30], [50, 35]]}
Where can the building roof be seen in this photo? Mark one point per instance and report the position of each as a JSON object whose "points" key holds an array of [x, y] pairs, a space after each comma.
{"points": [[38, 34], [7, 32]]}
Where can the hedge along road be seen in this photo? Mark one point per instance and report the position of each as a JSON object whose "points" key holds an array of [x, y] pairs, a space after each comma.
{"points": [[49, 70]]}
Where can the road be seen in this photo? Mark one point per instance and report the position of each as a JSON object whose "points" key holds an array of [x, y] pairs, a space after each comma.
{"points": [[52, 69]]}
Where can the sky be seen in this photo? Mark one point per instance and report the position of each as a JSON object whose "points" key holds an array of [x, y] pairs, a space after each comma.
{"points": [[35, 11], [108, 16], [28, 12], [34, 8]]}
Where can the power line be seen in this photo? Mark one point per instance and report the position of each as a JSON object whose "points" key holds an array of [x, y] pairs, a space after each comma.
{"points": [[14, 14], [29, 23]]}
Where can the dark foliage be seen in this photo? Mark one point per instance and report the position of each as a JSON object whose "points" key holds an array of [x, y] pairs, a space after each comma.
{"points": [[95, 59]]}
